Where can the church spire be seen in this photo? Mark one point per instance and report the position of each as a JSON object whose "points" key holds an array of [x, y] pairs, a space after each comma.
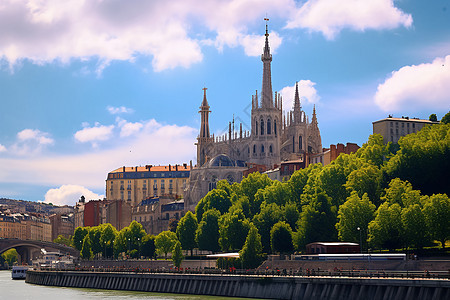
{"points": [[204, 112], [266, 58], [297, 106]]}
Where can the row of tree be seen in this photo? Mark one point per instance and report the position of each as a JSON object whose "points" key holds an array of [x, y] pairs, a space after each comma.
{"points": [[388, 196]]}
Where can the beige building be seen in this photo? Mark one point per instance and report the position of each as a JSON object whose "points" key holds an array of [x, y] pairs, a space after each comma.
{"points": [[135, 184], [392, 129], [62, 225], [11, 227]]}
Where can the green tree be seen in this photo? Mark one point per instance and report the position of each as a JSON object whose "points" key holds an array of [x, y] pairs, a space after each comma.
{"points": [[402, 193], [270, 215], [165, 241], [281, 238], [386, 230], [107, 238], [415, 228], [366, 179], [78, 237], [137, 232], [433, 118], [10, 256], [374, 151], [291, 214], [63, 240], [296, 184], [148, 248], [250, 186], [94, 237], [217, 199], [122, 241], [186, 231], [233, 230], [446, 118], [86, 250], [277, 193], [353, 214], [437, 216], [207, 235], [251, 253], [332, 180], [177, 254]]}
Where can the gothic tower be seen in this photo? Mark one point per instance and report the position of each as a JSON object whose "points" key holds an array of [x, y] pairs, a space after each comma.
{"points": [[204, 139], [266, 117]]}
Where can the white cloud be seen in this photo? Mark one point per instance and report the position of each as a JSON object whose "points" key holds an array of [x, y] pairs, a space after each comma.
{"points": [[170, 32], [69, 194], [254, 44], [155, 143], [128, 128], [94, 134], [330, 16], [31, 142], [306, 90], [417, 86], [119, 110], [2, 148]]}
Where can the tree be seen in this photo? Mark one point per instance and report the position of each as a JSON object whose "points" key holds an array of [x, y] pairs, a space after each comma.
{"points": [[137, 232], [165, 241], [437, 216], [86, 251], [217, 199], [107, 238], [446, 119], [433, 118], [186, 231], [148, 248], [332, 180], [415, 228], [122, 241], [374, 151], [233, 230], [177, 254], [281, 238], [353, 214], [78, 237], [386, 230], [296, 184], [291, 214], [251, 253], [402, 193], [277, 193], [270, 215], [63, 240], [366, 179], [94, 237], [10, 256], [207, 235], [250, 186]]}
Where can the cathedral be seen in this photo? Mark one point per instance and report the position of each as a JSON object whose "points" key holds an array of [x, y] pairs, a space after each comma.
{"points": [[274, 137]]}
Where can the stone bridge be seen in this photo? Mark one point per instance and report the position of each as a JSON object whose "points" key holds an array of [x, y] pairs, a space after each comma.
{"points": [[30, 249]]}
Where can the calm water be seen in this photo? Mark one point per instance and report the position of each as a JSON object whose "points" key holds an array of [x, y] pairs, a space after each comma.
{"points": [[18, 289]]}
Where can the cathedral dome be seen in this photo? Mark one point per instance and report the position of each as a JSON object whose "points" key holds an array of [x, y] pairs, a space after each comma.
{"points": [[221, 160]]}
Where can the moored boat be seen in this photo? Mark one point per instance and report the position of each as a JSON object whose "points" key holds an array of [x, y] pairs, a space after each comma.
{"points": [[19, 272]]}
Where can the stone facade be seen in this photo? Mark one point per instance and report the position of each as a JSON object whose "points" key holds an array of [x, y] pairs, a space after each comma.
{"points": [[274, 136], [392, 129]]}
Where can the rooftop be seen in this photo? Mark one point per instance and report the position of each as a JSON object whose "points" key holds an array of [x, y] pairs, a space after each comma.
{"points": [[151, 168]]}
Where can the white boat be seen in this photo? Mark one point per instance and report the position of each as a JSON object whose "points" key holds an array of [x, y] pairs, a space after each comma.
{"points": [[19, 272], [53, 260]]}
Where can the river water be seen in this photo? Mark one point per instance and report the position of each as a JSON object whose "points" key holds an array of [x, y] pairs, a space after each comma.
{"points": [[19, 290]]}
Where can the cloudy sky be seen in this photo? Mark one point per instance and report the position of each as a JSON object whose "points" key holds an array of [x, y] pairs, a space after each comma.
{"points": [[90, 86]]}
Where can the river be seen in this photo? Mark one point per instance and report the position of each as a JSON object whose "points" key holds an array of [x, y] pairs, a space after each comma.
{"points": [[19, 290]]}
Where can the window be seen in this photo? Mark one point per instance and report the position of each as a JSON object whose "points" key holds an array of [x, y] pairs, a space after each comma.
{"points": [[270, 148], [293, 144], [162, 184], [262, 148], [129, 195], [269, 127], [300, 142], [275, 127], [121, 195], [129, 185], [254, 148], [262, 127], [256, 127]]}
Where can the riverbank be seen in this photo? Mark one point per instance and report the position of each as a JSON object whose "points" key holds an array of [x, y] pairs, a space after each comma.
{"points": [[267, 287]]}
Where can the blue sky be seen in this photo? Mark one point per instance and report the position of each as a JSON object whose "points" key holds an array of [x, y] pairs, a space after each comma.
{"points": [[89, 86]]}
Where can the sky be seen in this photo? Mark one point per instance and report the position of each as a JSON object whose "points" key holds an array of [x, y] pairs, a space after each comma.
{"points": [[89, 86]]}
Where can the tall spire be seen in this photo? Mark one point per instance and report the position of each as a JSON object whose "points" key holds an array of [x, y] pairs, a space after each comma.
{"points": [[204, 111], [266, 58], [297, 107]]}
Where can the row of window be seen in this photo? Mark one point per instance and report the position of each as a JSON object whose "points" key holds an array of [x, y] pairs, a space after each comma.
{"points": [[262, 149], [262, 130], [403, 124]]}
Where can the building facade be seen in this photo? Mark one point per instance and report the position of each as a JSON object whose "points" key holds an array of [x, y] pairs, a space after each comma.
{"points": [[62, 224], [135, 184], [392, 129]]}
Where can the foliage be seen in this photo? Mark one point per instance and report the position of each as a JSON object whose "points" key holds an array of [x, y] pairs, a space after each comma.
{"points": [[281, 238], [437, 216], [217, 199], [78, 237], [107, 238], [165, 241], [207, 234], [433, 118], [233, 230], [177, 254], [251, 253], [416, 233], [186, 231], [270, 215], [148, 247], [355, 213], [63, 240], [386, 230], [290, 214], [173, 225], [250, 186], [446, 118], [86, 250], [366, 179], [10, 256]]}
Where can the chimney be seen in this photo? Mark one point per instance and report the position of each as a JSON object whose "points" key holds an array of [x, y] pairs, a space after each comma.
{"points": [[123, 169], [190, 164], [170, 168], [176, 167], [136, 169], [185, 165]]}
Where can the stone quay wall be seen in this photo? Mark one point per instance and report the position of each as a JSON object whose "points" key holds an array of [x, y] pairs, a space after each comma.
{"points": [[263, 287]]}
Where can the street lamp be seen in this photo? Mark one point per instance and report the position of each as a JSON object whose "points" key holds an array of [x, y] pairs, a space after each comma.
{"points": [[360, 239], [139, 245]]}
